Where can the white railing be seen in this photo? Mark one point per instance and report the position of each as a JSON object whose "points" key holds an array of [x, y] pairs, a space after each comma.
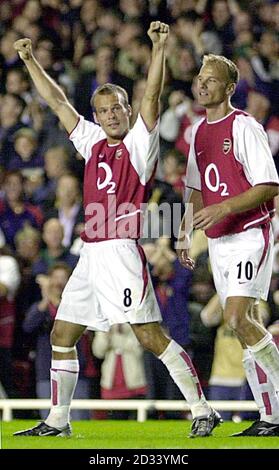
{"points": [[141, 406]]}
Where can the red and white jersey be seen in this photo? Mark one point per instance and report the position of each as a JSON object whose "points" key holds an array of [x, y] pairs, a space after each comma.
{"points": [[227, 157], [117, 179]]}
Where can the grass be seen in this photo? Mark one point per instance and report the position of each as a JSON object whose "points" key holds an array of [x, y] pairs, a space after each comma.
{"points": [[134, 435]]}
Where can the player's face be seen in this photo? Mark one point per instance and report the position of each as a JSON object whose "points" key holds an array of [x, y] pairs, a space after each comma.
{"points": [[112, 115], [211, 86]]}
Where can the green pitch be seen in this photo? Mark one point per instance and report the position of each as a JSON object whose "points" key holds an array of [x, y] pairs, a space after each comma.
{"points": [[134, 435]]}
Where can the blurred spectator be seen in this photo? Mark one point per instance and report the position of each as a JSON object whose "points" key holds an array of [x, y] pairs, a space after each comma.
{"points": [[56, 164], [265, 63], [11, 109], [222, 24], [122, 370], [26, 151], [259, 106], [9, 282], [28, 242], [68, 208], [54, 251], [15, 213], [174, 168], [134, 56], [17, 82], [9, 55], [190, 30], [178, 119], [89, 81]]}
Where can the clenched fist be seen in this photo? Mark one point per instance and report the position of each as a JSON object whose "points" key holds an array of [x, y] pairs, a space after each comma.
{"points": [[158, 32], [24, 48]]}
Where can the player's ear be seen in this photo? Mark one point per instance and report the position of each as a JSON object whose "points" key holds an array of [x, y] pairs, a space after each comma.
{"points": [[130, 111], [231, 89], [95, 118]]}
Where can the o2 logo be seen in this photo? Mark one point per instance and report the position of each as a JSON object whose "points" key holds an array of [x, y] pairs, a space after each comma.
{"points": [[107, 180], [212, 180]]}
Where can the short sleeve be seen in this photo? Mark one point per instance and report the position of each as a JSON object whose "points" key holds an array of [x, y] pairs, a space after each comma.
{"points": [[143, 147], [252, 150], [85, 135]]}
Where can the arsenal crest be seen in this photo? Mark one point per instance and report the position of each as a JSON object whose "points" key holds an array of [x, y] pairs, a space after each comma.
{"points": [[227, 145], [118, 154]]}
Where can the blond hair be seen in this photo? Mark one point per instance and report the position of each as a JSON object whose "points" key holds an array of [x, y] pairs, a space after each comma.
{"points": [[223, 64], [110, 89]]}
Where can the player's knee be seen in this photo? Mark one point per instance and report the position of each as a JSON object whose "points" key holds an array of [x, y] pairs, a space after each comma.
{"points": [[153, 340], [233, 319], [58, 337], [239, 323], [146, 340]]}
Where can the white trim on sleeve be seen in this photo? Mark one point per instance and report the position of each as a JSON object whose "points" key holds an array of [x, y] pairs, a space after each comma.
{"points": [[251, 149]]}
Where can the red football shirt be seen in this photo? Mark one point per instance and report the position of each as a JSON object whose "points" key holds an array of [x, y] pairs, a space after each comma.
{"points": [[227, 157], [117, 179]]}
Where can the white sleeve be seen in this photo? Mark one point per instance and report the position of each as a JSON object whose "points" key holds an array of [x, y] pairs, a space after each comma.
{"points": [[9, 274], [251, 149], [143, 147], [193, 177], [85, 135]]}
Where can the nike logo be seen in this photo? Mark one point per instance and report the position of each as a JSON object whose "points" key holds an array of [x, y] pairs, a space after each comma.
{"points": [[244, 282], [199, 153], [45, 433]]}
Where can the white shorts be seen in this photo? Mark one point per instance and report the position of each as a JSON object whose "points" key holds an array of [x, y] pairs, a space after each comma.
{"points": [[110, 284], [242, 263]]}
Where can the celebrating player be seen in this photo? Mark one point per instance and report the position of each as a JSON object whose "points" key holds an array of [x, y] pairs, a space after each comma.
{"points": [[110, 284], [233, 180]]}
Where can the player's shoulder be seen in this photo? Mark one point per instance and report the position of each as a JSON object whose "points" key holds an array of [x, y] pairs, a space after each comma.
{"points": [[196, 126], [201, 120], [141, 125], [85, 127], [246, 121]]}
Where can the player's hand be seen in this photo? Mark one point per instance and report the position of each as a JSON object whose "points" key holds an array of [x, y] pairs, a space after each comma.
{"points": [[158, 32], [185, 260], [24, 48], [209, 216]]}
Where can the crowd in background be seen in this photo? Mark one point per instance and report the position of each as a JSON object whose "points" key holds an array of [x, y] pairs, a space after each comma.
{"points": [[83, 44]]}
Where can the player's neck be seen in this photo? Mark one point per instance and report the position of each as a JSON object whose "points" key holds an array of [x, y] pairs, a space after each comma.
{"points": [[219, 111]]}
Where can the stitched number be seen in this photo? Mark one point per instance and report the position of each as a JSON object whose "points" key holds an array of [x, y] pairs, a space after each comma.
{"points": [[127, 298], [248, 271]]}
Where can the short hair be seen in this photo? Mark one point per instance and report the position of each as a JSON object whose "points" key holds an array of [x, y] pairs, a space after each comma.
{"points": [[26, 233], [223, 64], [110, 89], [27, 132], [60, 265]]}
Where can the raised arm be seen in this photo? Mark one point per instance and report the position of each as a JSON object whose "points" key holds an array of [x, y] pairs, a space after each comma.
{"points": [[158, 33], [46, 86]]}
